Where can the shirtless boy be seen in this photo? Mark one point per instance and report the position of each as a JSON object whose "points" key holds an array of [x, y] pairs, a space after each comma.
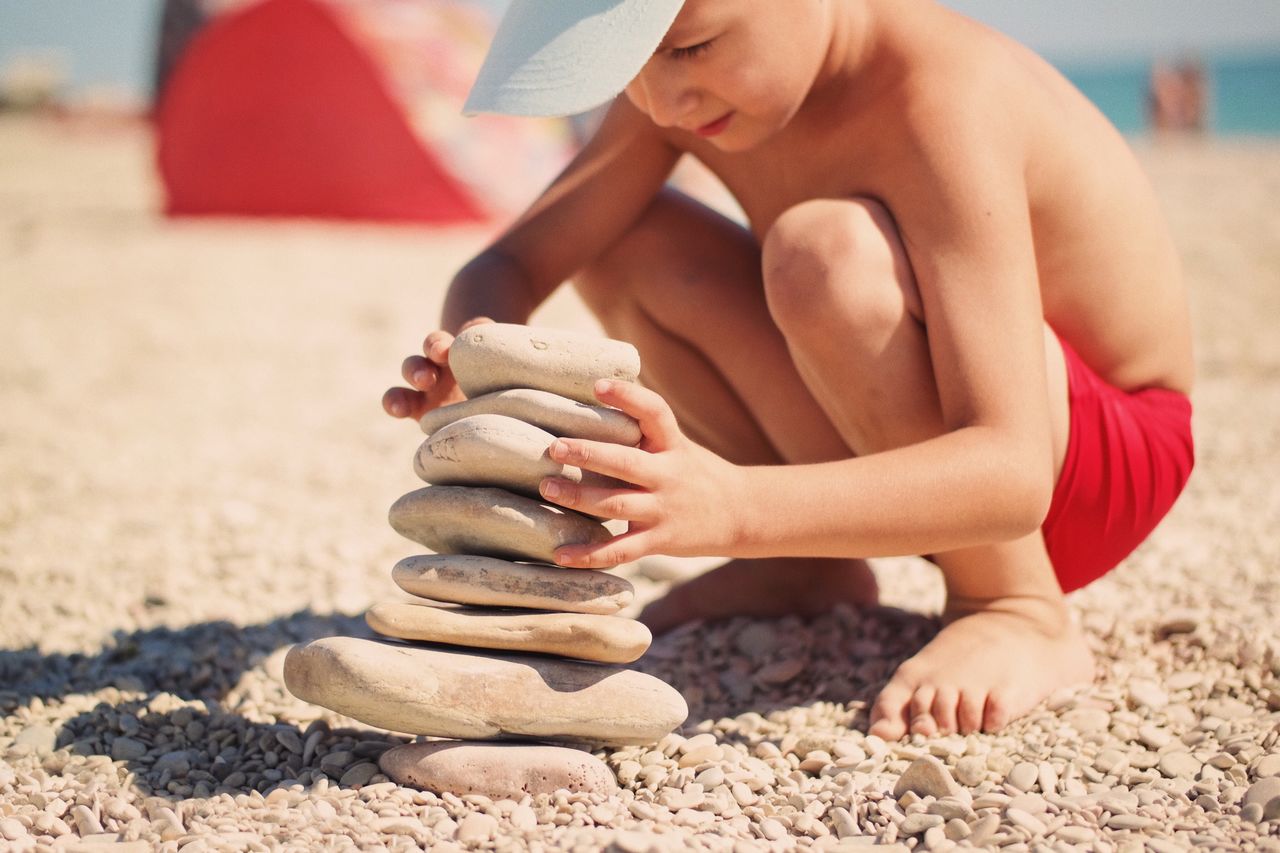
{"points": [[955, 325]]}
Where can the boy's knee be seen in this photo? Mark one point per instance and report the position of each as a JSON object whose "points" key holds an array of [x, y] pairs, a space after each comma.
{"points": [[832, 253]]}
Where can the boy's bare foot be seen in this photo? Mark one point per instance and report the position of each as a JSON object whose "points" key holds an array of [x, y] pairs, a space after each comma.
{"points": [[777, 586], [991, 663]]}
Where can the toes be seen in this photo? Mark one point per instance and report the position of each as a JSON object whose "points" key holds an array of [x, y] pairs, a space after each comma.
{"points": [[969, 711], [889, 714], [998, 711], [922, 722], [943, 709]]}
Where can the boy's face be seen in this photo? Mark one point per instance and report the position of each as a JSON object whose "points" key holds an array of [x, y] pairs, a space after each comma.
{"points": [[734, 71]]}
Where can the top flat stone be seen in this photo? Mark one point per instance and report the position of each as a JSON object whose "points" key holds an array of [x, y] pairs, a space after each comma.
{"points": [[556, 414], [497, 356]]}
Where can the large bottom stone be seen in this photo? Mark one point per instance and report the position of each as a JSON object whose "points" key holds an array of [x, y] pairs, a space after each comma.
{"points": [[608, 639], [464, 695], [497, 771]]}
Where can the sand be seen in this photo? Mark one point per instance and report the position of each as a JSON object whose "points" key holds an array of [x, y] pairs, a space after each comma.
{"points": [[196, 473]]}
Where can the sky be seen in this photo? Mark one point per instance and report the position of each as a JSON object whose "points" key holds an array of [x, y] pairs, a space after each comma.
{"points": [[111, 41]]}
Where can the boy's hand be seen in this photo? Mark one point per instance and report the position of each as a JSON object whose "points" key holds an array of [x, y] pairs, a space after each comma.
{"points": [[683, 495], [431, 380]]}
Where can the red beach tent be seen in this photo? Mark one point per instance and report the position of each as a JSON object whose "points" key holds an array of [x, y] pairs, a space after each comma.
{"points": [[276, 109]]}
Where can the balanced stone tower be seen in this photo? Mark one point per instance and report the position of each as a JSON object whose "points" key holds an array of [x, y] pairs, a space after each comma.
{"points": [[512, 647]]}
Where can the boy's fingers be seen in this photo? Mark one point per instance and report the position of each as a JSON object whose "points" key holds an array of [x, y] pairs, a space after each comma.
{"points": [[404, 403], [419, 372], [627, 464], [436, 347], [624, 504], [657, 421], [605, 555]]}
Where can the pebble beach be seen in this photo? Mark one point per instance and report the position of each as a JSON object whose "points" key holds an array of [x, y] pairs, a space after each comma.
{"points": [[195, 473]]}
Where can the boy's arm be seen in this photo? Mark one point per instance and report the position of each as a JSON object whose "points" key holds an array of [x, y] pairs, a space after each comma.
{"points": [[598, 196], [590, 205], [960, 202]]}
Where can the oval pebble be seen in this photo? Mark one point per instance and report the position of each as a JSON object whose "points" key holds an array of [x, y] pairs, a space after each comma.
{"points": [[491, 523], [608, 639], [1023, 776], [470, 579], [556, 414], [497, 451], [1179, 764]]}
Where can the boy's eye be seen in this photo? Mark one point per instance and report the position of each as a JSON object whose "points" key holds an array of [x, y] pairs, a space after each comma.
{"points": [[691, 51]]}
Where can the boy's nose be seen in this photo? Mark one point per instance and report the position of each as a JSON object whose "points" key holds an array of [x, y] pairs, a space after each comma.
{"points": [[665, 100]]}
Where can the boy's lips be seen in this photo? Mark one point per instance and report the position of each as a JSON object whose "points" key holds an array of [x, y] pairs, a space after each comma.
{"points": [[715, 127]]}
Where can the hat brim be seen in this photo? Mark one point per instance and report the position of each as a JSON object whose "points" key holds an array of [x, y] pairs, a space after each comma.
{"points": [[561, 57]]}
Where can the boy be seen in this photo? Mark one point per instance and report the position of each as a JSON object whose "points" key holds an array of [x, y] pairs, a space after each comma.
{"points": [[954, 327]]}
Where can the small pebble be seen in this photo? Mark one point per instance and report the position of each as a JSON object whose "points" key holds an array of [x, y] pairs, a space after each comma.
{"points": [[477, 828], [914, 824], [1179, 765], [1023, 776], [1026, 821]]}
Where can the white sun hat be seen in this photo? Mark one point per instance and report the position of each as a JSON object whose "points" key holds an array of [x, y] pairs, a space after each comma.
{"points": [[561, 57]]}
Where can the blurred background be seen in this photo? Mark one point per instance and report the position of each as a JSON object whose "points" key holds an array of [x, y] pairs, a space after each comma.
{"points": [[106, 53], [349, 108]]}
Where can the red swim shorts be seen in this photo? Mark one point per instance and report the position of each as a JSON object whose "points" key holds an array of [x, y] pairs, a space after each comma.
{"points": [[1128, 457]]}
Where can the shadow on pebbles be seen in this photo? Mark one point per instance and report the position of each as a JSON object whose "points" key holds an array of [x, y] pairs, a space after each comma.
{"points": [[772, 756]]}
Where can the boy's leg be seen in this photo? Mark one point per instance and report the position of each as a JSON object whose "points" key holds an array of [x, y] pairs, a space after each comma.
{"points": [[840, 288], [684, 285]]}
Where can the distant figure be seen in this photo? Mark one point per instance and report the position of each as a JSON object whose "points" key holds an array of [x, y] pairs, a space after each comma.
{"points": [[180, 20], [1176, 98]]}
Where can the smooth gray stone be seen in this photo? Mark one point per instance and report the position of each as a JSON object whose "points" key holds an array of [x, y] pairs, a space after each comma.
{"points": [[607, 639], [491, 523], [458, 694], [469, 579], [495, 450], [499, 771], [496, 356], [556, 414]]}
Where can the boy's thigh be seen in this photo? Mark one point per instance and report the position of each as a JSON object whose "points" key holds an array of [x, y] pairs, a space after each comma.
{"points": [[680, 258]]}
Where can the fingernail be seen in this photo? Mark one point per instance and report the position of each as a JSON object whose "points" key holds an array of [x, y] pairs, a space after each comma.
{"points": [[420, 376], [603, 386], [558, 449], [551, 488], [397, 409]]}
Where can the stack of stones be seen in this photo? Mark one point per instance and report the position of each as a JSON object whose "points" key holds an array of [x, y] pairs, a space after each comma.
{"points": [[561, 676]]}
